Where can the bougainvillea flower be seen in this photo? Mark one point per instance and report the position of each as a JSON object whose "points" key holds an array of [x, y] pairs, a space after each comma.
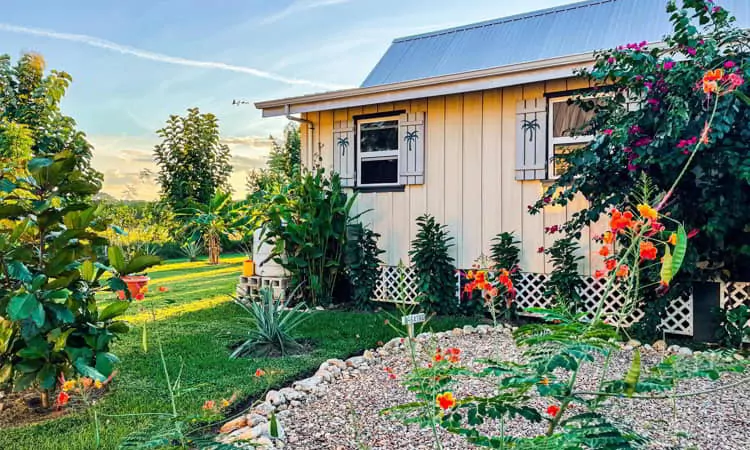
{"points": [[608, 237], [648, 251], [692, 233], [672, 239], [62, 398], [608, 131], [729, 64], [647, 212], [669, 65], [259, 373], [600, 274], [209, 405], [446, 400], [553, 410], [610, 264], [540, 250], [623, 271], [604, 251], [163, 289]]}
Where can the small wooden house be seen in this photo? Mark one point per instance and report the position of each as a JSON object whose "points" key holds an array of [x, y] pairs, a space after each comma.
{"points": [[465, 123]]}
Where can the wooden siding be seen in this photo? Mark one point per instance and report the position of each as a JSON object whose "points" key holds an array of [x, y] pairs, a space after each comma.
{"points": [[470, 183]]}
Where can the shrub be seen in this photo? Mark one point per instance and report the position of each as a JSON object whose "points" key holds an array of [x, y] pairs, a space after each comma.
{"points": [[565, 283], [192, 249], [504, 254], [307, 224], [362, 263], [436, 273], [733, 325], [273, 328]]}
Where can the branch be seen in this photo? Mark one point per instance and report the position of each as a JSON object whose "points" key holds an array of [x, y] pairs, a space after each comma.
{"points": [[664, 397]]}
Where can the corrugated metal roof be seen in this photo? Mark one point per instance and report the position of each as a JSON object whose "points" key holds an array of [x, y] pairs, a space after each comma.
{"points": [[562, 31]]}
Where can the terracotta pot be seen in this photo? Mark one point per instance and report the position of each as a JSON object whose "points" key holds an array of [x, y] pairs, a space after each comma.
{"points": [[248, 268], [136, 284]]}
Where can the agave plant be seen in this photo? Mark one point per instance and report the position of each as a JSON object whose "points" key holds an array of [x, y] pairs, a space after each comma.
{"points": [[272, 332], [191, 249]]}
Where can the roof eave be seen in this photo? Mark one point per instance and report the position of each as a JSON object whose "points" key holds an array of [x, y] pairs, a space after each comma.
{"points": [[509, 75]]}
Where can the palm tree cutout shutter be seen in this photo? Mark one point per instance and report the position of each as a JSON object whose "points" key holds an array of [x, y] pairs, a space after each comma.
{"points": [[411, 148], [343, 152], [531, 139]]}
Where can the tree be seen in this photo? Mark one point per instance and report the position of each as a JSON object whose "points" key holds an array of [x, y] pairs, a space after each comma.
{"points": [[673, 88], [219, 218], [30, 109], [193, 163], [283, 163], [51, 322]]}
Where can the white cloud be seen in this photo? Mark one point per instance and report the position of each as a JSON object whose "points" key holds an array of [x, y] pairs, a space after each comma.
{"points": [[299, 6], [145, 54]]}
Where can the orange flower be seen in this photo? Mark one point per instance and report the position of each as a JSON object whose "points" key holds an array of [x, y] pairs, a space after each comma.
{"points": [[610, 264], [209, 405], [452, 354], [86, 382], [446, 400], [623, 271], [121, 295], [259, 373], [600, 274], [553, 410], [438, 357], [68, 385], [604, 251], [544, 381], [648, 251], [710, 87], [608, 237], [470, 275], [620, 221], [647, 212], [163, 289], [714, 75], [672, 239]]}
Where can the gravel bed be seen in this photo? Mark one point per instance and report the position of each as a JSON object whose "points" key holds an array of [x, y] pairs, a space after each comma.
{"points": [[345, 414]]}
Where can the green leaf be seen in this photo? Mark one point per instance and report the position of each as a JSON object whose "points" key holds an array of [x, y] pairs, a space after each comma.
{"points": [[113, 309], [62, 339], [118, 327], [105, 363], [6, 372], [140, 263], [679, 250], [47, 377], [19, 271], [633, 374], [87, 270], [26, 306], [11, 211], [85, 370], [39, 163], [116, 258]]}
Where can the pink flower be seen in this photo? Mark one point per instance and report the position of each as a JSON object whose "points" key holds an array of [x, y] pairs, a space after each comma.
{"points": [[608, 131], [669, 65], [611, 60], [729, 65], [691, 51], [716, 9], [653, 101], [642, 142], [735, 80], [635, 129]]}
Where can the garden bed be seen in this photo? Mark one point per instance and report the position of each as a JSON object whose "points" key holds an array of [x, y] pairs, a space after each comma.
{"points": [[347, 413]]}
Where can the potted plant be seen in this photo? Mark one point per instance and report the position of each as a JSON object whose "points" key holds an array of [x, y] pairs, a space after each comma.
{"points": [[137, 284]]}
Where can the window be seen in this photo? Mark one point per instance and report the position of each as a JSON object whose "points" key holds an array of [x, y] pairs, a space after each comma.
{"points": [[565, 118], [377, 156]]}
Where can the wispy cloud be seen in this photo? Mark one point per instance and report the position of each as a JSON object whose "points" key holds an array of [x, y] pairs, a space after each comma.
{"points": [[159, 57], [298, 6]]}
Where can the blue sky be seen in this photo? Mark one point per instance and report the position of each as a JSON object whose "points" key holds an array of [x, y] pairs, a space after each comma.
{"points": [[134, 63]]}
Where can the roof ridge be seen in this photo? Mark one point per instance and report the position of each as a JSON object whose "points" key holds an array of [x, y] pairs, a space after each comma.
{"points": [[506, 19]]}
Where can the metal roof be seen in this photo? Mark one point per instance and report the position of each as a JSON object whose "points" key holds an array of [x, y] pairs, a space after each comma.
{"points": [[562, 31]]}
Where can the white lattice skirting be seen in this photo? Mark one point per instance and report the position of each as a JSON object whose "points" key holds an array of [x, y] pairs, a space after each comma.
{"points": [[398, 284]]}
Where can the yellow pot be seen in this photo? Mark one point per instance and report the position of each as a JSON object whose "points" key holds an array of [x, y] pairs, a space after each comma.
{"points": [[248, 268]]}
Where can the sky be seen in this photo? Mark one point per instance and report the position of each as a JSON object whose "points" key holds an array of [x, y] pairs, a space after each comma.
{"points": [[135, 63]]}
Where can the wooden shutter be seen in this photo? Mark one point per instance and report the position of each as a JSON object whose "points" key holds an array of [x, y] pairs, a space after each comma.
{"points": [[411, 148], [343, 152], [531, 139]]}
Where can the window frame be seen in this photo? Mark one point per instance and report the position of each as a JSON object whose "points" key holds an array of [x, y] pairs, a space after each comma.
{"points": [[379, 155], [552, 141]]}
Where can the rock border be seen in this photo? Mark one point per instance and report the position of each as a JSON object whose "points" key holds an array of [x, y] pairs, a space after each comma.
{"points": [[255, 426]]}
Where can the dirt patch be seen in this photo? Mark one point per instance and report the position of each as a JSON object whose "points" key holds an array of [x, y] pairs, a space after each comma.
{"points": [[25, 408]]}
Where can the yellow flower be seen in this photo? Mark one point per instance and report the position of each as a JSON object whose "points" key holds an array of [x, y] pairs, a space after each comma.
{"points": [[69, 385], [647, 212], [224, 403], [98, 384], [673, 239]]}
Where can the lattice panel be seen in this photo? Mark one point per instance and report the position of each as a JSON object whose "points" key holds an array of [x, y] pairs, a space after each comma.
{"points": [[396, 285], [530, 291], [735, 293]]}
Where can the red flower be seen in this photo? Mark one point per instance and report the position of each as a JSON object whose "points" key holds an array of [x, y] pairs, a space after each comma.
{"points": [[163, 289], [623, 271], [608, 131], [600, 274], [540, 250], [446, 400], [62, 398], [648, 251], [692, 233], [139, 296], [553, 410], [620, 221], [610, 264], [438, 357], [259, 373]]}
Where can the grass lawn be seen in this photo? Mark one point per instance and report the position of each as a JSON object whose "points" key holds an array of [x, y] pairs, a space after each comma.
{"points": [[200, 338]]}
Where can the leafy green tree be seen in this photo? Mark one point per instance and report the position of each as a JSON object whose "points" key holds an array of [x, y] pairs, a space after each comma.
{"points": [[51, 322], [193, 163], [283, 164]]}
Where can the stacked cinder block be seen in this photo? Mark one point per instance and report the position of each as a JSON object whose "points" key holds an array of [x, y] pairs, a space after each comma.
{"points": [[250, 286]]}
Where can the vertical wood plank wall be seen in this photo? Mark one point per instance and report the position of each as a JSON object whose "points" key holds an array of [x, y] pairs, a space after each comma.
{"points": [[470, 183]]}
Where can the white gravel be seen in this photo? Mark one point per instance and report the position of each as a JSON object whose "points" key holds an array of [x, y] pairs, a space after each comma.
{"points": [[345, 414]]}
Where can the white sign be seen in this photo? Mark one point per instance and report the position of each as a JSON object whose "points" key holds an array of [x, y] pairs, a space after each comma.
{"points": [[412, 319]]}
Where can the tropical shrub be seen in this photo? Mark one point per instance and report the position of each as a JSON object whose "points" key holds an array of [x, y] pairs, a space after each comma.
{"points": [[192, 249], [565, 283], [733, 325], [307, 224], [219, 219], [139, 226], [667, 81], [435, 269], [362, 263], [272, 331]]}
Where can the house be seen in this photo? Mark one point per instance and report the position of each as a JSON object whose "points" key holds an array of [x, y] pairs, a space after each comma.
{"points": [[464, 124]]}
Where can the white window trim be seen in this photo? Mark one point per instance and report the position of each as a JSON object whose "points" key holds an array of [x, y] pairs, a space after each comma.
{"points": [[562, 140], [376, 156]]}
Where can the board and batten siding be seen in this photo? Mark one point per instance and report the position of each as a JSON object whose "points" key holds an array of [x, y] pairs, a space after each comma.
{"points": [[470, 184]]}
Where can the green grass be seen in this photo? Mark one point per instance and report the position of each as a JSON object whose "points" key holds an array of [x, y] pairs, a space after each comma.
{"points": [[201, 340]]}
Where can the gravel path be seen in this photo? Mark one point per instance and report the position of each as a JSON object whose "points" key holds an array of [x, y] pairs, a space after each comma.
{"points": [[346, 413]]}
